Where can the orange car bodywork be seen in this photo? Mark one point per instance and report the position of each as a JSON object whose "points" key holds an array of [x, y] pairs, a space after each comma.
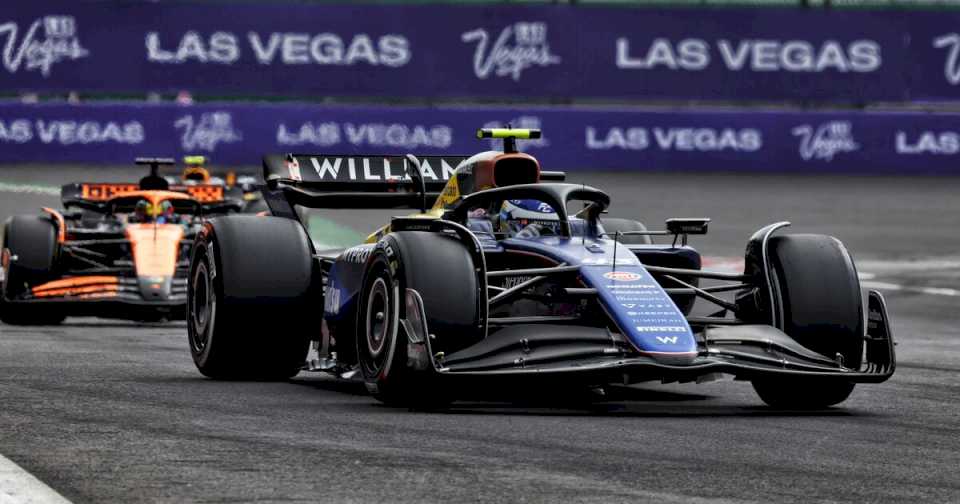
{"points": [[155, 250], [61, 224], [77, 286]]}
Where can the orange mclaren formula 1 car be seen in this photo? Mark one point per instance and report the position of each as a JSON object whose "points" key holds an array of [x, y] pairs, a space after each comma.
{"points": [[244, 187], [115, 250]]}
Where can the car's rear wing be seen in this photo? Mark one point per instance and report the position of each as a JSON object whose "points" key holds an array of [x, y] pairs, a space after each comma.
{"points": [[322, 172], [343, 181], [92, 195], [332, 181]]}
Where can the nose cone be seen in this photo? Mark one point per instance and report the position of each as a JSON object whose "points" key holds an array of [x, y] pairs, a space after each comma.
{"points": [[155, 288], [643, 311], [673, 358], [155, 248]]}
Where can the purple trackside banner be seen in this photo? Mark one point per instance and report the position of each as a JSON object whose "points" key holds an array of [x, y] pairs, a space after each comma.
{"points": [[427, 51], [573, 139]]}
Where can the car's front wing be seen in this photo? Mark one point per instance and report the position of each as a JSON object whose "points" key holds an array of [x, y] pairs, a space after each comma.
{"points": [[591, 355]]}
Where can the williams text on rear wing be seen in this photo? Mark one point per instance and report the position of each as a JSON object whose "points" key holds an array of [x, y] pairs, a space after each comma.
{"points": [[330, 181]]}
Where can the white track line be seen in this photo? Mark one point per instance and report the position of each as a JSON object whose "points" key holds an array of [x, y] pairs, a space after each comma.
{"points": [[881, 285], [910, 265], [735, 265], [933, 291], [29, 189], [20, 487], [940, 291]]}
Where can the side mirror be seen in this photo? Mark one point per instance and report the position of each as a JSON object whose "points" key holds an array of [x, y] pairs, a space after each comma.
{"points": [[680, 228], [688, 226]]}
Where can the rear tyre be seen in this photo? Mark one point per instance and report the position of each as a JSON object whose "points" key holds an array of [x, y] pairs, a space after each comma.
{"points": [[256, 206], [30, 251], [611, 226], [822, 310], [251, 299], [441, 270]]}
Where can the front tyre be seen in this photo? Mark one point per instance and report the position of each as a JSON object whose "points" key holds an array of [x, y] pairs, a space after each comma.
{"points": [[809, 393], [442, 271], [29, 255], [382, 342], [249, 298], [822, 310], [378, 331]]}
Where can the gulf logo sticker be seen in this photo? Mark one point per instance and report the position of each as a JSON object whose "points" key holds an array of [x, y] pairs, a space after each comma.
{"points": [[622, 276], [293, 166]]}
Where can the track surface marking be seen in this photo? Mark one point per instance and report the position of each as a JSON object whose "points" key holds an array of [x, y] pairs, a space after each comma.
{"points": [[17, 486]]}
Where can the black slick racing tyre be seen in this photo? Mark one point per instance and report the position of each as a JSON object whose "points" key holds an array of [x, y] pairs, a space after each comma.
{"points": [[30, 249], [256, 206], [441, 270], [822, 310], [611, 226], [381, 341], [798, 393], [251, 300]]}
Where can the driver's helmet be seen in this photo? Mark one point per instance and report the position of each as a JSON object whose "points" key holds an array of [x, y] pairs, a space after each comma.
{"points": [[143, 211], [195, 173], [533, 217], [166, 212]]}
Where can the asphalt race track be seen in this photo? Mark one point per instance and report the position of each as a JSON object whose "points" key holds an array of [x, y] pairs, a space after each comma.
{"points": [[107, 411]]}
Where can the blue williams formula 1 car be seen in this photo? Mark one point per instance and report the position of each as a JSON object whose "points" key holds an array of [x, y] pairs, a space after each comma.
{"points": [[506, 273]]}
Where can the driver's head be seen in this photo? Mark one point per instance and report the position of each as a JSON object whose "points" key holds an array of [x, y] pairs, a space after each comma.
{"points": [[143, 211], [166, 210], [516, 215]]}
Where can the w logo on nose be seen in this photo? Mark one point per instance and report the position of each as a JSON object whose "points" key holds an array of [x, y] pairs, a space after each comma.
{"points": [[667, 339]]}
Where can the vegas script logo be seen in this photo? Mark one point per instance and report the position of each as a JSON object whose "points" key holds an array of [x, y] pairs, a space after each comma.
{"points": [[826, 140], [517, 48], [951, 66], [40, 49], [206, 132]]}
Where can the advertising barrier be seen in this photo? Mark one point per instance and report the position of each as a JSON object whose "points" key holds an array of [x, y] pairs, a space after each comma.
{"points": [[573, 138], [426, 51]]}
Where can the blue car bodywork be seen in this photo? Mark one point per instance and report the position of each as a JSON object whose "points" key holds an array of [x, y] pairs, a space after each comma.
{"points": [[570, 300]]}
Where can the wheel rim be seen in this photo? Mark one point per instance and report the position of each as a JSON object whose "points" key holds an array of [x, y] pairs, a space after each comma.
{"points": [[377, 317], [203, 307]]}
